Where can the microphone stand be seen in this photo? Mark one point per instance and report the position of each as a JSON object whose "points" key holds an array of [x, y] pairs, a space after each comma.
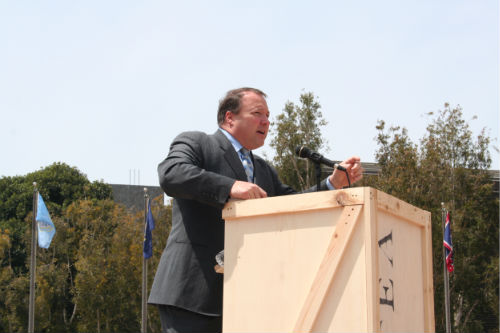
{"points": [[317, 166]]}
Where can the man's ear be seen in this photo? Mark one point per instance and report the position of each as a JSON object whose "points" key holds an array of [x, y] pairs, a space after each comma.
{"points": [[228, 118]]}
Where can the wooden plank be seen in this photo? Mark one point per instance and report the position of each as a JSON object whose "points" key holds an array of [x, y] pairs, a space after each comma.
{"points": [[346, 292], [327, 269], [292, 203], [401, 209], [428, 281], [372, 263]]}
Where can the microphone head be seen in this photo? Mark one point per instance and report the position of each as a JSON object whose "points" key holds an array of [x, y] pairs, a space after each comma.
{"points": [[302, 151]]}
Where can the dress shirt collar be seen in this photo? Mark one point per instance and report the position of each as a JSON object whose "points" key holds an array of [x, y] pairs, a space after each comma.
{"points": [[237, 146]]}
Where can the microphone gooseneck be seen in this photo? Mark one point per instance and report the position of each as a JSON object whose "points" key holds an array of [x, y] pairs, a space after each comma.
{"points": [[304, 152]]}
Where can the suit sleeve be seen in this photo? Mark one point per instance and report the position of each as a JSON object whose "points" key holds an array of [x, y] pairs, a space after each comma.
{"points": [[278, 188], [183, 173], [283, 189]]}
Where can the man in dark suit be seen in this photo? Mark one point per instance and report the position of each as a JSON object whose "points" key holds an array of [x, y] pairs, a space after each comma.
{"points": [[202, 172]]}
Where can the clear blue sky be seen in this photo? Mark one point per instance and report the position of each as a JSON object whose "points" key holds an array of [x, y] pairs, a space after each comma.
{"points": [[106, 85]]}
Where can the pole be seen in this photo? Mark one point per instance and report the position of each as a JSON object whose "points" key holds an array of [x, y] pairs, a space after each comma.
{"points": [[144, 269], [446, 276], [318, 175], [31, 315]]}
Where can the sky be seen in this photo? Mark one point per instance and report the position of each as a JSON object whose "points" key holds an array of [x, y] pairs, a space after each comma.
{"points": [[105, 86]]}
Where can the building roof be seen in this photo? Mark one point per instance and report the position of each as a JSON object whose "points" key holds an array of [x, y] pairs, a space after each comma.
{"points": [[132, 196], [372, 169]]}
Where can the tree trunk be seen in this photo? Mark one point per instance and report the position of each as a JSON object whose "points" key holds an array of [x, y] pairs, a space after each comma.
{"points": [[458, 313]]}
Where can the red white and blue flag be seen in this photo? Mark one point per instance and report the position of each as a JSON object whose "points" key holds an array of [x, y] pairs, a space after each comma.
{"points": [[448, 247]]}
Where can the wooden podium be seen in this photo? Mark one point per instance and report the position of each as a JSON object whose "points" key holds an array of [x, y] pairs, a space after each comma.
{"points": [[352, 260]]}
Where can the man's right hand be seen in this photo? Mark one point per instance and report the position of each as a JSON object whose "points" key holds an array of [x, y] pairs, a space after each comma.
{"points": [[245, 190]]}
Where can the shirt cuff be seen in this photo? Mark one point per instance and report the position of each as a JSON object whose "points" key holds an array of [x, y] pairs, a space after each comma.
{"points": [[329, 185]]}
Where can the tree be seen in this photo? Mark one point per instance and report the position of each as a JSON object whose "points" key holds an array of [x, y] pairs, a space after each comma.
{"points": [[60, 185], [296, 126], [163, 224], [90, 277], [449, 166], [108, 264]]}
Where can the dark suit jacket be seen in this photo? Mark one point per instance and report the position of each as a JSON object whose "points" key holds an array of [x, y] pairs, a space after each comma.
{"points": [[198, 173]]}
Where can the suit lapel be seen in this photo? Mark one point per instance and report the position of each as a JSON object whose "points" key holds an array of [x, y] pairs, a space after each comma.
{"points": [[231, 156], [260, 176], [257, 175]]}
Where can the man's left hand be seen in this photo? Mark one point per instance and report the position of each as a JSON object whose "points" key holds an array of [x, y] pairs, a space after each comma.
{"points": [[353, 166]]}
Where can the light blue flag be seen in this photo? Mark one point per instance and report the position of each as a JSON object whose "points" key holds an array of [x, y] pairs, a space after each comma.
{"points": [[46, 229]]}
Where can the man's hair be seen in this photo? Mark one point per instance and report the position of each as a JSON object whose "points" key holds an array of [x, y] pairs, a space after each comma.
{"points": [[232, 102]]}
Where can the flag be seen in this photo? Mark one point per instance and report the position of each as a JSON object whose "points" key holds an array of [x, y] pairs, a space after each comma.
{"points": [[148, 237], [448, 247], [46, 229]]}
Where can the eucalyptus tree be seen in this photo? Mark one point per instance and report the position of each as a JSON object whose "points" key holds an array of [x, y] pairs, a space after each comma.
{"points": [[450, 165], [297, 125]]}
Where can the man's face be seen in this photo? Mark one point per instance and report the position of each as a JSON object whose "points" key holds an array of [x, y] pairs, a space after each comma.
{"points": [[251, 124]]}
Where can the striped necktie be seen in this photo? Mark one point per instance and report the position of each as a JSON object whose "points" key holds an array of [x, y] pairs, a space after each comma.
{"points": [[247, 163]]}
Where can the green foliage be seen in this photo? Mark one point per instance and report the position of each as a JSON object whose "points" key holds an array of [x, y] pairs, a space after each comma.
{"points": [[59, 184], [163, 224], [108, 262], [449, 166], [90, 277], [295, 126]]}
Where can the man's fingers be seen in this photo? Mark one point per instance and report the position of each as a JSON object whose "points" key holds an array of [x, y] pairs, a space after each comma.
{"points": [[245, 190], [356, 172], [262, 193], [354, 169], [256, 192]]}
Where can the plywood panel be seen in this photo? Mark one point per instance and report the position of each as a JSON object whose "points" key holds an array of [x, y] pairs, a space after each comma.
{"points": [[400, 275], [344, 309], [280, 258]]}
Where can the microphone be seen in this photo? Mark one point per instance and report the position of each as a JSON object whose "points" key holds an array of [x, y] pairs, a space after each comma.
{"points": [[305, 152]]}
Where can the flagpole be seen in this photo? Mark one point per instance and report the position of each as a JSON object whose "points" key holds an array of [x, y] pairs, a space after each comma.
{"points": [[446, 276], [31, 316], [144, 269]]}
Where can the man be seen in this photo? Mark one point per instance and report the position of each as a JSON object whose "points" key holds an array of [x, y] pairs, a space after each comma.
{"points": [[201, 172]]}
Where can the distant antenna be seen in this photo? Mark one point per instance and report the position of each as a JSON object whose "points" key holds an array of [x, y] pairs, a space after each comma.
{"points": [[136, 179]]}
